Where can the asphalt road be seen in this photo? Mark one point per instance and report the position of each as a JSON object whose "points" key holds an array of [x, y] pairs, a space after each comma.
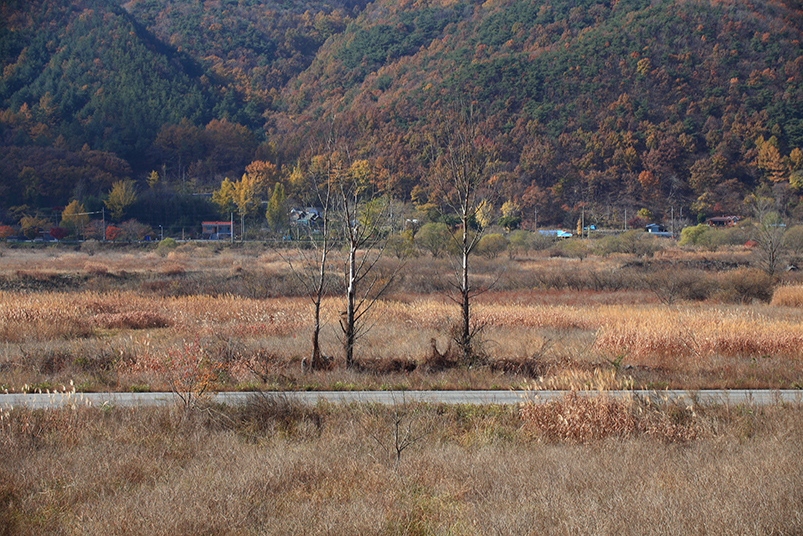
{"points": [[728, 397]]}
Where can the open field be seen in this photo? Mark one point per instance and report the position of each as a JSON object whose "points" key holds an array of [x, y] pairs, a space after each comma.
{"points": [[274, 467], [130, 319], [202, 319]]}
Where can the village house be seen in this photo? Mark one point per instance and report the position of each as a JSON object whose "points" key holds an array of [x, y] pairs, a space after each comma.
{"points": [[723, 221], [216, 230]]}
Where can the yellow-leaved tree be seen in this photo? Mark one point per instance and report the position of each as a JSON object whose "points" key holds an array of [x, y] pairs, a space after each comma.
{"points": [[122, 195], [224, 197], [769, 160], [74, 218], [153, 179], [246, 195], [484, 214]]}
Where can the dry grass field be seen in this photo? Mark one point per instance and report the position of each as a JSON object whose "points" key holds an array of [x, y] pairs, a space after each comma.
{"points": [[272, 467], [201, 318], [126, 319]]}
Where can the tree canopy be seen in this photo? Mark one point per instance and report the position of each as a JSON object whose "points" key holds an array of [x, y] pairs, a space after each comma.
{"points": [[606, 107]]}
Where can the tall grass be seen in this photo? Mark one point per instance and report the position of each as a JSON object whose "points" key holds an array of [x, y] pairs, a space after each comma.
{"points": [[788, 296], [685, 340], [242, 306], [274, 468]]}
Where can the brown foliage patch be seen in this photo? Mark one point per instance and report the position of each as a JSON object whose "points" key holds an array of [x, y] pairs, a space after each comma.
{"points": [[172, 269], [96, 268], [788, 296], [536, 367], [132, 320], [583, 416], [387, 365], [437, 360]]}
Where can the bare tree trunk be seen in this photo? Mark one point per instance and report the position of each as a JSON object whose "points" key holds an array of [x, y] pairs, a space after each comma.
{"points": [[465, 291], [351, 297], [315, 361]]}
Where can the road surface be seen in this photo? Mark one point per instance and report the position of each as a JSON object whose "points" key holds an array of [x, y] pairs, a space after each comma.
{"points": [[728, 397]]}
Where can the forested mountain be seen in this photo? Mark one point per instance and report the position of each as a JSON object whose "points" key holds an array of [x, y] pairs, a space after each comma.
{"points": [[602, 106]]}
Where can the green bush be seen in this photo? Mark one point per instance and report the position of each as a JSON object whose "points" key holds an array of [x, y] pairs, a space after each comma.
{"points": [[690, 235], [712, 237], [519, 242], [434, 237], [491, 245], [401, 245], [578, 248], [635, 242], [166, 246], [729, 236]]}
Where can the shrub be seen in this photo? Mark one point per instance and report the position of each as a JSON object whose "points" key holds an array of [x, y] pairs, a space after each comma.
{"points": [[90, 247], [133, 230], [711, 237], [401, 245], [633, 242], [670, 285], [690, 235], [578, 248], [434, 237], [792, 239], [518, 242], [166, 246], [491, 245], [540, 242], [745, 285], [96, 268], [59, 233], [788, 296], [267, 413], [113, 233], [132, 320], [189, 372], [171, 268], [730, 236]]}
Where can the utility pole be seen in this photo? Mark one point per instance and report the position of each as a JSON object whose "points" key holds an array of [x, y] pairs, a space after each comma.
{"points": [[673, 221], [583, 222]]}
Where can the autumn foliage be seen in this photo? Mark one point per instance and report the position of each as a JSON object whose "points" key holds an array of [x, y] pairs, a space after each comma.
{"points": [[607, 106]]}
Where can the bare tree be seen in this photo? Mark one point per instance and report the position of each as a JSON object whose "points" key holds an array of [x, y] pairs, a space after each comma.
{"points": [[311, 270], [462, 163], [397, 427], [352, 212], [363, 216], [768, 234]]}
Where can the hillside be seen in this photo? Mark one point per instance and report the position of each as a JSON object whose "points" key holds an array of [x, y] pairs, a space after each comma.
{"points": [[613, 106]]}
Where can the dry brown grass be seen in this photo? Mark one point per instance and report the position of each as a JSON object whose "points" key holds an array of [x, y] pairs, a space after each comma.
{"points": [[589, 412], [65, 316], [685, 340], [585, 464], [272, 467], [788, 296]]}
